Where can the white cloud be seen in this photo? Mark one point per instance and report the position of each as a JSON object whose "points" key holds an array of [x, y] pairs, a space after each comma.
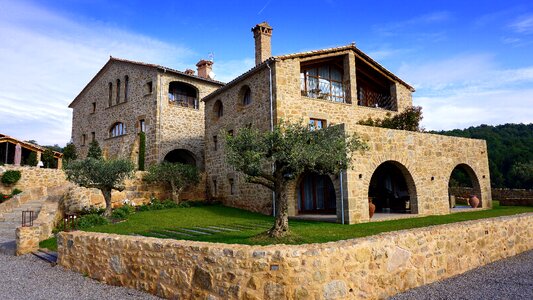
{"points": [[470, 90], [523, 24]]}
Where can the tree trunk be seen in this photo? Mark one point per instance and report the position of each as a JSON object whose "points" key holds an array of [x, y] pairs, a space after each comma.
{"points": [[107, 198], [175, 192], [281, 224]]}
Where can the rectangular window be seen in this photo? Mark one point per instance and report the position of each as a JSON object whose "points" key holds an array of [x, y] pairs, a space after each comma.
{"points": [[118, 91], [317, 124], [214, 187], [94, 107], [83, 139], [215, 142], [93, 136], [231, 186], [110, 94], [142, 125]]}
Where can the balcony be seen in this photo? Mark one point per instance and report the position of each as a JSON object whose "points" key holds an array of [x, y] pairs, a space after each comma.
{"points": [[371, 98]]}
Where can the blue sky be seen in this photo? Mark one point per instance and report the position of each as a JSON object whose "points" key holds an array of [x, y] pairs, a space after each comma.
{"points": [[470, 61]]}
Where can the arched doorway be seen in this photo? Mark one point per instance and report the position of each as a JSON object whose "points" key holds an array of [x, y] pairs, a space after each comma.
{"points": [[463, 183], [316, 194], [392, 189], [181, 156]]}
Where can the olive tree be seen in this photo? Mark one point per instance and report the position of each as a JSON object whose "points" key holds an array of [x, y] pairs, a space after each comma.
{"points": [[105, 175], [275, 158], [177, 175]]}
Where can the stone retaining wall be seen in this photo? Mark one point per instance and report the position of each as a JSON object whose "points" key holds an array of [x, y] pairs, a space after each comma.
{"points": [[366, 268], [32, 177]]}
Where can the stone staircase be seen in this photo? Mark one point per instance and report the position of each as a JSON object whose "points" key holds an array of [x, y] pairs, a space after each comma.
{"points": [[10, 220]]}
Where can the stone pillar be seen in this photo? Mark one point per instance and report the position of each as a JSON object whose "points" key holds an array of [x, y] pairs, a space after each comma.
{"points": [[27, 239], [350, 81]]}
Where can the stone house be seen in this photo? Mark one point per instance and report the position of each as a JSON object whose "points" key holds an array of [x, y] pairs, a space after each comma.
{"points": [[127, 97], [402, 172]]}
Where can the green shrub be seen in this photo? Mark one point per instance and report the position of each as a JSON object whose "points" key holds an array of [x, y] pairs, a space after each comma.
{"points": [[15, 192], [122, 212], [91, 221], [11, 177]]}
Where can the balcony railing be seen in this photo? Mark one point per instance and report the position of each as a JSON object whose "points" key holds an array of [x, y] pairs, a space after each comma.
{"points": [[371, 98], [183, 101], [326, 90]]}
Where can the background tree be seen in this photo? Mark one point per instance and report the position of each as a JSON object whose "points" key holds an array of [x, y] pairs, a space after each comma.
{"points": [[274, 159], [105, 175], [507, 145], [94, 150], [32, 159], [48, 159], [69, 152], [178, 175], [522, 174]]}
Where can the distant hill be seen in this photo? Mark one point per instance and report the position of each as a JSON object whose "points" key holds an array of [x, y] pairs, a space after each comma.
{"points": [[510, 148]]}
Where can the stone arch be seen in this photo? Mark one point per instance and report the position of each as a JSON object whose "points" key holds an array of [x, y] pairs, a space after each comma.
{"points": [[181, 156], [314, 193], [473, 188], [393, 189]]}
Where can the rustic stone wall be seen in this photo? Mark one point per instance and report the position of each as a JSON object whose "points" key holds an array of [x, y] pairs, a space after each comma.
{"points": [[366, 268], [236, 115], [32, 177]]}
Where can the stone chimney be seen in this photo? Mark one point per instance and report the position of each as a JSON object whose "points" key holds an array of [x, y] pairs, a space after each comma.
{"points": [[205, 68], [189, 72], [262, 35]]}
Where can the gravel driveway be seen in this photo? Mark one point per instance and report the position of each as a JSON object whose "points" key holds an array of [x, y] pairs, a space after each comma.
{"points": [[27, 277], [507, 279]]}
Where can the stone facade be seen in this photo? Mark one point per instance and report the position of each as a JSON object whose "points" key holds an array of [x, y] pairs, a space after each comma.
{"points": [[366, 268], [137, 95], [33, 177]]}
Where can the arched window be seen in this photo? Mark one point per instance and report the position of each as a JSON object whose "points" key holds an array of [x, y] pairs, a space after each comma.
{"points": [[246, 95], [110, 94], [117, 129], [218, 109], [183, 94], [126, 81], [118, 91]]}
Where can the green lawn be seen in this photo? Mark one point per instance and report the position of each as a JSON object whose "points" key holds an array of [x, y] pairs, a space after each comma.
{"points": [[246, 226]]}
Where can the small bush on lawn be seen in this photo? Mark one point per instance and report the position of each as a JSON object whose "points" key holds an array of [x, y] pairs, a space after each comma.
{"points": [[84, 222], [122, 212], [10, 177]]}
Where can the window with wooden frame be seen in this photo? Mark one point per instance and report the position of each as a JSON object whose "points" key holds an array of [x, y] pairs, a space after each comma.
{"points": [[218, 110], [142, 125], [323, 81], [315, 124], [246, 95]]}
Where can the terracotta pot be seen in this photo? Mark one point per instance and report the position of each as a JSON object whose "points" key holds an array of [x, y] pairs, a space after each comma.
{"points": [[474, 201], [371, 208]]}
